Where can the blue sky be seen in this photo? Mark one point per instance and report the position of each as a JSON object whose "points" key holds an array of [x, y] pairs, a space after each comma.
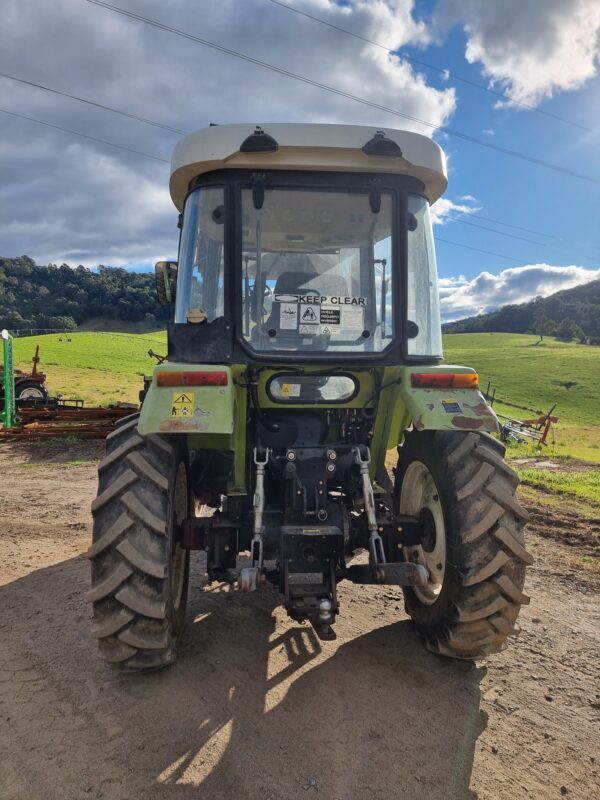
{"points": [[68, 198]]}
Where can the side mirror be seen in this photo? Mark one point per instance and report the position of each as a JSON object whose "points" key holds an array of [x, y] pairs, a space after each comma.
{"points": [[165, 276]]}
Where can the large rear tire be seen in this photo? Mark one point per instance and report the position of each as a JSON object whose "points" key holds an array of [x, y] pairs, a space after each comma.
{"points": [[473, 549], [139, 570]]}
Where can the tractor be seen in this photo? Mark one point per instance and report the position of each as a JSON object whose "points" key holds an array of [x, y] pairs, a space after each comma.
{"points": [[305, 346]]}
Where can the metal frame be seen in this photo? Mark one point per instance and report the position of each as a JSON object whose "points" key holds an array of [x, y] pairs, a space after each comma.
{"points": [[8, 413]]}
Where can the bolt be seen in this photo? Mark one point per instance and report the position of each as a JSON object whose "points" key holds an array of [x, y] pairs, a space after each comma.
{"points": [[399, 528], [299, 491], [331, 455], [291, 456], [330, 467], [320, 491]]}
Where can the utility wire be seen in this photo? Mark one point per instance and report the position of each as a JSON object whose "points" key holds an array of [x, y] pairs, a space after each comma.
{"points": [[309, 81], [509, 225], [479, 250], [492, 230], [92, 103], [83, 135], [440, 70]]}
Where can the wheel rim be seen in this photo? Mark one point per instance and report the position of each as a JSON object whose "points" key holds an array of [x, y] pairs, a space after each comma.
{"points": [[420, 497], [178, 560], [31, 392]]}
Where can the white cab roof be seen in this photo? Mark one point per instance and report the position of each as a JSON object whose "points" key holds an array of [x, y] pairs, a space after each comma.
{"points": [[334, 148]]}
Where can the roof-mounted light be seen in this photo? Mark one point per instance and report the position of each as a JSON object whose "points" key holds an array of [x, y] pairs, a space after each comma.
{"points": [[380, 145], [259, 142]]}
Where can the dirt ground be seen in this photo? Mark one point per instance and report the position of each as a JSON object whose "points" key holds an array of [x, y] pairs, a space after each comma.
{"points": [[256, 707]]}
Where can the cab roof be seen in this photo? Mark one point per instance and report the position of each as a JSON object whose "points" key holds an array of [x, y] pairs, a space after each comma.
{"points": [[307, 147]]}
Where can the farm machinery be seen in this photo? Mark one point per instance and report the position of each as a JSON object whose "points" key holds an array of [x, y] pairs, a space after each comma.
{"points": [[27, 387], [305, 346]]}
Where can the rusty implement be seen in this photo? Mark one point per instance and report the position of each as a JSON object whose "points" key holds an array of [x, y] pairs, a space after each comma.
{"points": [[82, 423]]}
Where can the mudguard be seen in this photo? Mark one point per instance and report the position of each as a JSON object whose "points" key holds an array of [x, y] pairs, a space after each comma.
{"points": [[446, 409], [188, 409]]}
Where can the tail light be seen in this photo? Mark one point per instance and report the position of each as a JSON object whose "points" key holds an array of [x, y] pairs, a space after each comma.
{"points": [[195, 378], [444, 380]]}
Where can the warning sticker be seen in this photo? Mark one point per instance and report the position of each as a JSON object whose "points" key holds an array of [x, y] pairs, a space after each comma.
{"points": [[330, 316], [288, 316], [308, 315], [451, 407], [290, 390], [182, 404], [311, 330], [352, 320]]}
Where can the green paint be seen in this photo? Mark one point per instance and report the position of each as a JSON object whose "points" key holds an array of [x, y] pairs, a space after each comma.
{"points": [[8, 413]]}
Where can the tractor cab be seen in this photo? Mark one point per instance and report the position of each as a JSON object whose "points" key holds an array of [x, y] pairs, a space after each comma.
{"points": [[334, 256]]}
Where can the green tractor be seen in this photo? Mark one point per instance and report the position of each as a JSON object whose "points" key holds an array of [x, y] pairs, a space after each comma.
{"points": [[306, 344]]}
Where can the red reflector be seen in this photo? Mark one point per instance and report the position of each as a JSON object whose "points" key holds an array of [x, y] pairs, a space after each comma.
{"points": [[217, 378], [444, 380]]}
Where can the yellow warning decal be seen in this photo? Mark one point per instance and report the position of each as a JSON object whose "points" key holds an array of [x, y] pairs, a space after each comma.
{"points": [[182, 404]]}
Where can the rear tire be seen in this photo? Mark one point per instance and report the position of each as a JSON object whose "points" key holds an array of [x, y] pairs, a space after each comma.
{"points": [[475, 524], [139, 571]]}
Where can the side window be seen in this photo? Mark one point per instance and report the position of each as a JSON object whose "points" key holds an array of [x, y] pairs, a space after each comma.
{"points": [[200, 279], [423, 316]]}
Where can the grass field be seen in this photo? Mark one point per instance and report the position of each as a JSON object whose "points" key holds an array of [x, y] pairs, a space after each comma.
{"points": [[105, 367]]}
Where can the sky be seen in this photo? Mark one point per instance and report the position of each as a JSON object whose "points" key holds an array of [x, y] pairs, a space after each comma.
{"points": [[483, 78]]}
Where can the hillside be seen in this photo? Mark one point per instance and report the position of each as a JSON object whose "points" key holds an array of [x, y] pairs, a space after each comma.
{"points": [[580, 304], [62, 297]]}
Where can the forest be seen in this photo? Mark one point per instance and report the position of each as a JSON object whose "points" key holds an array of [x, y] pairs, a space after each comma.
{"points": [[63, 297]]}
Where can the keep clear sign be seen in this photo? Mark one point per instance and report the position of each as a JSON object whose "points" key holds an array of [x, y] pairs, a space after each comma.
{"points": [[182, 404], [312, 314]]}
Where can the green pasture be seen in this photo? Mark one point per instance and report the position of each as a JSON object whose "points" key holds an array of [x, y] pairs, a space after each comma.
{"points": [[531, 374], [529, 377]]}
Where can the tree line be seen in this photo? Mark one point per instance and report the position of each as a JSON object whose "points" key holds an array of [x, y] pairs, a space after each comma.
{"points": [[60, 296]]}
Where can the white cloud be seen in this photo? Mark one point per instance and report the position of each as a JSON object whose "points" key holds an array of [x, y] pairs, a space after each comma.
{"points": [[530, 48], [461, 298], [67, 198], [442, 210]]}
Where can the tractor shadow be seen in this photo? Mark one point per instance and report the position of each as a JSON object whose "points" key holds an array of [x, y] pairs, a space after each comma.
{"points": [[255, 707]]}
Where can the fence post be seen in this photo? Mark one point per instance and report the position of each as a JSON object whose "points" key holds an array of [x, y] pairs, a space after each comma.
{"points": [[7, 415]]}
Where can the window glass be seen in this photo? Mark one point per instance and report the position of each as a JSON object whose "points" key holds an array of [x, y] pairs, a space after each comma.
{"points": [[316, 271], [423, 317], [312, 388], [200, 273]]}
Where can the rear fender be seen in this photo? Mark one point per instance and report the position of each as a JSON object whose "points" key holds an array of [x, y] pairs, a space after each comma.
{"points": [[446, 409], [208, 410]]}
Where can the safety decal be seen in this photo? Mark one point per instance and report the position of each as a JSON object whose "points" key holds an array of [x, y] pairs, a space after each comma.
{"points": [[451, 407], [182, 404], [321, 300], [290, 390], [288, 316]]}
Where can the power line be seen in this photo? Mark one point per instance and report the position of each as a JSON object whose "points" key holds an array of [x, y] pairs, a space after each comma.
{"points": [[440, 70], [93, 103], [309, 81], [500, 233], [83, 135], [509, 225], [479, 250]]}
